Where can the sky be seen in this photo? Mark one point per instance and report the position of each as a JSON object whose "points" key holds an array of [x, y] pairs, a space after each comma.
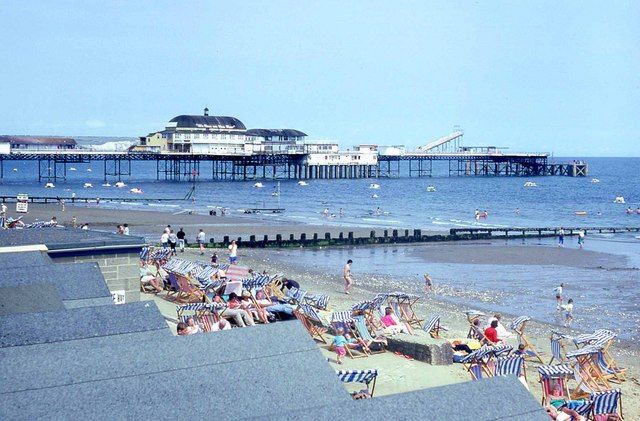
{"points": [[538, 76]]}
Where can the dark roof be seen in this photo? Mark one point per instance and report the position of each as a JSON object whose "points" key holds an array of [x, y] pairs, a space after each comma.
{"points": [[256, 372], [29, 140], [28, 298], [275, 133], [79, 323], [28, 259], [489, 399], [66, 238], [78, 284], [213, 122]]}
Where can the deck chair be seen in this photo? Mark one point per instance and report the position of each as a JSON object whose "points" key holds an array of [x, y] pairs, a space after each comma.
{"points": [[312, 322], [604, 340], [403, 305], [362, 329], [586, 371], [367, 377], [174, 287], [188, 292], [343, 320], [319, 301], [607, 402], [558, 348], [554, 377], [433, 327], [615, 374], [476, 332], [518, 326], [236, 272], [476, 363], [582, 407], [511, 366]]}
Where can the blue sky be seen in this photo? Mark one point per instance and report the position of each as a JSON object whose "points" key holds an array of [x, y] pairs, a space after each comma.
{"points": [[562, 77]]}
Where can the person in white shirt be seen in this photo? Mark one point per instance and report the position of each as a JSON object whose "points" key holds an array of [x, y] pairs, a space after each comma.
{"points": [[164, 239], [233, 252], [200, 239], [503, 333], [558, 292]]}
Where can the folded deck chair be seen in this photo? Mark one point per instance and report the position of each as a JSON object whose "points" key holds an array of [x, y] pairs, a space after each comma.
{"points": [[319, 301], [558, 348], [433, 327], [607, 402], [586, 371], [296, 295], [368, 377], [343, 320], [476, 363], [312, 322], [555, 377], [360, 324], [518, 326]]}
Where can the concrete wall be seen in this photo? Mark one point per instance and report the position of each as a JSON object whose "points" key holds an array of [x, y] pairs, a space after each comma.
{"points": [[120, 270]]}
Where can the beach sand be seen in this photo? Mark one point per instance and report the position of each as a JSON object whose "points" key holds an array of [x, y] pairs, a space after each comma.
{"points": [[396, 373]]}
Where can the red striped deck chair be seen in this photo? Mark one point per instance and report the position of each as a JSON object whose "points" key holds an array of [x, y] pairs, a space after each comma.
{"points": [[236, 273], [555, 382]]}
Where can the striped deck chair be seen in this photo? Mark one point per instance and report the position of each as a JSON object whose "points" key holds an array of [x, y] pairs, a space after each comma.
{"points": [[604, 340], [235, 272], [275, 288], [475, 332], [296, 295], [518, 326], [586, 371], [607, 402], [615, 374], [311, 320], [144, 253], [188, 292], [360, 324], [319, 301], [582, 407], [343, 320], [511, 365], [558, 349], [368, 377], [401, 319], [174, 288], [403, 304], [555, 377], [433, 327], [476, 365]]}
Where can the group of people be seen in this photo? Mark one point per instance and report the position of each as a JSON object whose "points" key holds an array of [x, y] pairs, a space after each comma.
{"points": [[122, 229], [560, 306], [630, 211], [171, 240], [561, 234], [484, 214]]}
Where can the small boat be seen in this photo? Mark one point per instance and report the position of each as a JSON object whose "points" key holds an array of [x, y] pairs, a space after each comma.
{"points": [[431, 189], [15, 169], [530, 184], [619, 199], [258, 185], [135, 190], [89, 170], [595, 180], [106, 185], [88, 186], [374, 186], [581, 213], [374, 196], [49, 186], [72, 169], [120, 184], [302, 183]]}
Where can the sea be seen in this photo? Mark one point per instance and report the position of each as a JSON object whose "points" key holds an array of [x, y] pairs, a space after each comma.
{"points": [[604, 298]]}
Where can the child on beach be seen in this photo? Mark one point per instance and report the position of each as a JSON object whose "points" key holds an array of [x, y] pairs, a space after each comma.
{"points": [[339, 343], [568, 312], [561, 238], [428, 283], [558, 291], [581, 239]]}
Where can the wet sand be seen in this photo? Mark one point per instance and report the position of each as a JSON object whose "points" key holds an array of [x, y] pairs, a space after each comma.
{"points": [[490, 253]]}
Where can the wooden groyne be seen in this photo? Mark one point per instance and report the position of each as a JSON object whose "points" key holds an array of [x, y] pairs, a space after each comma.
{"points": [[404, 237]]}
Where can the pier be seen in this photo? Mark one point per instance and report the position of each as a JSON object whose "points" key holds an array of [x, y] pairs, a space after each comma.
{"points": [[53, 165]]}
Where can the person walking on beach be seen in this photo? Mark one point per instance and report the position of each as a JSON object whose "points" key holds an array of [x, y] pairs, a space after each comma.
{"points": [[181, 235], [233, 252], [428, 283], [558, 292], [3, 211], [164, 239], [581, 239], [346, 274], [561, 238], [200, 239], [173, 240], [568, 312]]}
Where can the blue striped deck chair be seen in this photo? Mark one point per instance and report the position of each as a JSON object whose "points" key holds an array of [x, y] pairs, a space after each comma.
{"points": [[604, 340], [511, 366], [582, 407], [362, 329], [607, 402], [403, 306], [501, 350], [343, 320], [311, 320], [296, 295], [558, 349], [319, 301], [476, 363], [144, 253], [555, 377], [174, 289], [586, 371], [433, 327], [615, 374], [368, 377], [518, 325]]}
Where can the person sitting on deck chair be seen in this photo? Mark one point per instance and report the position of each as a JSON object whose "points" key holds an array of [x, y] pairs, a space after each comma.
{"points": [[391, 325], [148, 278], [192, 326], [564, 414], [241, 317], [491, 333], [502, 331], [182, 329], [258, 312]]}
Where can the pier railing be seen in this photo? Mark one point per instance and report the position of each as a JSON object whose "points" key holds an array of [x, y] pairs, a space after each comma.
{"points": [[540, 232]]}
